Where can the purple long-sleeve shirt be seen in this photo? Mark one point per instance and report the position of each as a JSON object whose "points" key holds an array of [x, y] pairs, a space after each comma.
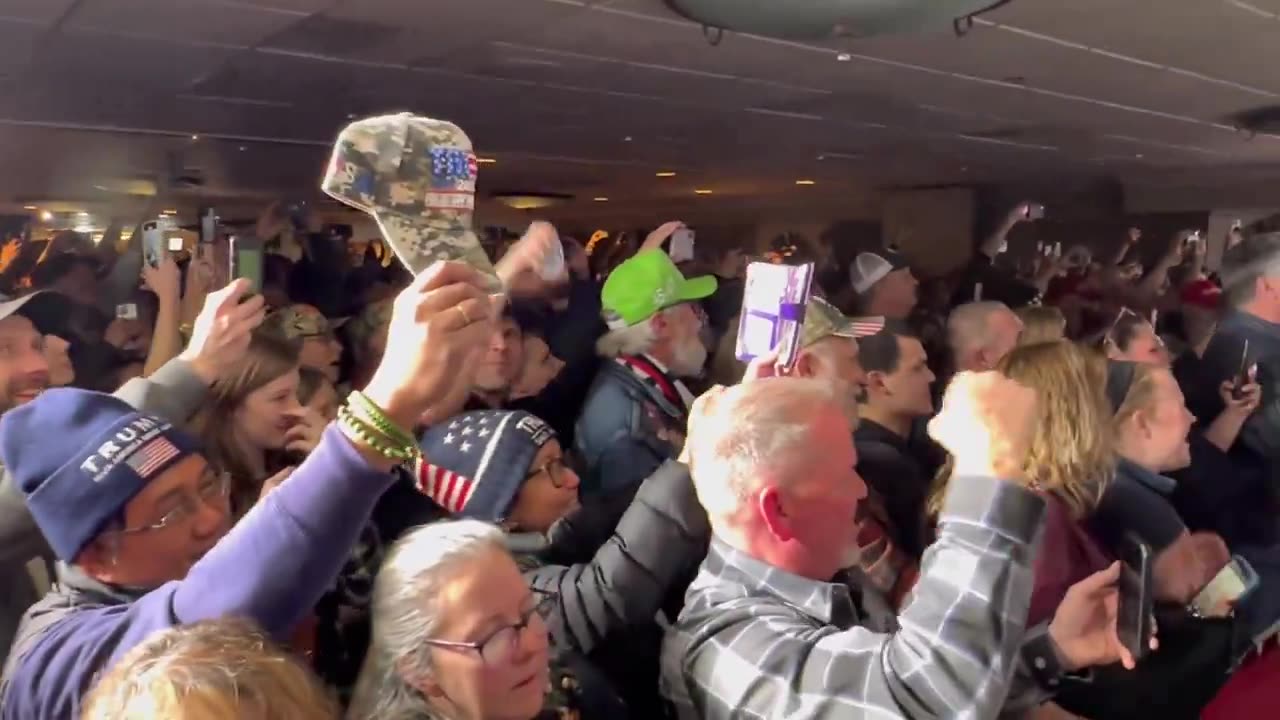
{"points": [[272, 568]]}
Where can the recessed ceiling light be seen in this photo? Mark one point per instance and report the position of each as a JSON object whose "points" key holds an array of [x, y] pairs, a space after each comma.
{"points": [[600, 199], [30, 207], [806, 182], [702, 192], [195, 137], [243, 148], [626, 139], [1139, 156], [46, 216], [665, 173], [170, 212], [486, 161], [844, 57]]}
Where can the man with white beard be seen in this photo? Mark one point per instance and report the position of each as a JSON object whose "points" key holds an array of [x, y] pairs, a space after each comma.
{"points": [[635, 413]]}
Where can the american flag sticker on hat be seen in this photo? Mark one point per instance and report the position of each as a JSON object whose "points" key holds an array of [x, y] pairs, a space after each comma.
{"points": [[865, 326], [151, 456]]}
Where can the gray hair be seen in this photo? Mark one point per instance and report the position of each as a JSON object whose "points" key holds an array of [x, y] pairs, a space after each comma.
{"points": [[968, 327], [1255, 257], [633, 340], [404, 613], [764, 423]]}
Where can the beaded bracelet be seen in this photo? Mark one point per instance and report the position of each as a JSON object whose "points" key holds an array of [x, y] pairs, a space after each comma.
{"points": [[365, 409], [359, 431]]}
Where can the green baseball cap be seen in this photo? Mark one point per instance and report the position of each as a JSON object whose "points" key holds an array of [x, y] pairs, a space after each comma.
{"points": [[824, 320], [646, 284]]}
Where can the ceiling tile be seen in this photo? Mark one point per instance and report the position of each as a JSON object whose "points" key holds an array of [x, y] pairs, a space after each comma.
{"points": [[41, 11], [195, 21], [90, 63]]}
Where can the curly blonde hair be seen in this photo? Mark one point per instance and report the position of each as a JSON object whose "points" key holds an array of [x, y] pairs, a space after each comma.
{"points": [[1072, 454]]}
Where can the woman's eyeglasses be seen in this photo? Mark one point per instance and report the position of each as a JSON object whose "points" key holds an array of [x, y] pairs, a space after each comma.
{"points": [[213, 487], [499, 646], [555, 470]]}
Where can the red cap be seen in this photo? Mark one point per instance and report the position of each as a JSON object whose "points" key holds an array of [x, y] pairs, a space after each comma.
{"points": [[1202, 293]]}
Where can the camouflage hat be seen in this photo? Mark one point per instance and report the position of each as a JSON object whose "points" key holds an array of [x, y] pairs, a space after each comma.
{"points": [[417, 177], [823, 320], [298, 321]]}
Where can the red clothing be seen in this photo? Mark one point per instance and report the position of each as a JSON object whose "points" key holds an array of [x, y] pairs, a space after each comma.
{"points": [[1067, 555]]}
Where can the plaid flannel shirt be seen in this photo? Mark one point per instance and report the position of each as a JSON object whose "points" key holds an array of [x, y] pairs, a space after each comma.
{"points": [[754, 641]]}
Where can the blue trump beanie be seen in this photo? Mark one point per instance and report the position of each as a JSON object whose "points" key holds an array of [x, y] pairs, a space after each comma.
{"points": [[79, 457], [475, 463]]}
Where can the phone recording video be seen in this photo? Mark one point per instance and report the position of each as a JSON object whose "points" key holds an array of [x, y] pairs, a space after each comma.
{"points": [[1243, 375], [246, 261], [153, 243], [1134, 617]]}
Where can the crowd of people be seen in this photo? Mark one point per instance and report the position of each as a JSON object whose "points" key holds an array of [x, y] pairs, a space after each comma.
{"points": [[359, 493]]}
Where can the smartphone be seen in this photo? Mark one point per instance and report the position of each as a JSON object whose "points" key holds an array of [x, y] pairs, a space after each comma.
{"points": [[1134, 619], [773, 304], [127, 311], [175, 244], [977, 292], [208, 226], [246, 261], [153, 242], [681, 247], [1191, 240], [1035, 211], [1227, 589], [1242, 375]]}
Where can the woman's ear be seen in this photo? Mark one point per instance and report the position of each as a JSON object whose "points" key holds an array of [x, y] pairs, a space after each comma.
{"points": [[423, 682]]}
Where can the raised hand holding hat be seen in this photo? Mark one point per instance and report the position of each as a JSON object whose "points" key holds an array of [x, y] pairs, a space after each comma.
{"points": [[417, 177], [438, 326]]}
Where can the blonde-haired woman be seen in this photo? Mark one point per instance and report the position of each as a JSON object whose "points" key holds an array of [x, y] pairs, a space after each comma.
{"points": [[208, 671], [1071, 461]]}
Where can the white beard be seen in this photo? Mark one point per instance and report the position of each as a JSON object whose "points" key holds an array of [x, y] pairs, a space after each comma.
{"points": [[689, 358]]}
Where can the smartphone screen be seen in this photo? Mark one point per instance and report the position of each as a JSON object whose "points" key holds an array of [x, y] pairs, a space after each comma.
{"points": [[681, 247], [153, 243], [773, 304], [1225, 591], [1134, 617], [208, 226], [246, 261]]}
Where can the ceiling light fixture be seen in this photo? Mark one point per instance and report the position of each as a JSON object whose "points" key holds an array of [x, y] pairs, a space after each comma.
{"points": [[46, 216], [626, 139], [806, 182], [30, 207], [600, 199], [701, 192], [486, 161], [664, 174], [243, 148], [170, 212], [531, 200], [195, 137], [844, 57]]}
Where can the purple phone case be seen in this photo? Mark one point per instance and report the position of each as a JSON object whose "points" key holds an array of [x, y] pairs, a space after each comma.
{"points": [[773, 306]]}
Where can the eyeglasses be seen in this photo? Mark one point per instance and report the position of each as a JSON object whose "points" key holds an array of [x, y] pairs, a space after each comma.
{"points": [[498, 648], [554, 469], [213, 487]]}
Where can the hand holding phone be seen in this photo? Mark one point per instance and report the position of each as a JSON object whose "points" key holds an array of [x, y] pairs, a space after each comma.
{"points": [[1233, 583], [1033, 211], [681, 247], [1243, 375], [1134, 615]]}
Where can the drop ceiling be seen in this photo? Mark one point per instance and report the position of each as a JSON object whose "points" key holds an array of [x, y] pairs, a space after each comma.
{"points": [[594, 98]]}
